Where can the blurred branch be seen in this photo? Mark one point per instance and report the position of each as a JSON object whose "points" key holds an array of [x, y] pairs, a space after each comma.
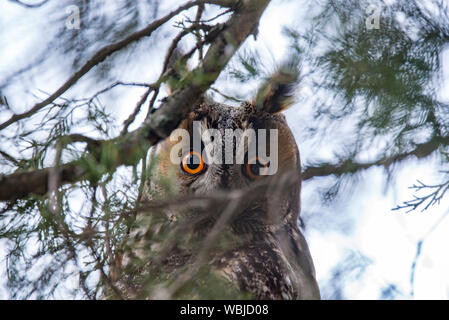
{"points": [[105, 52], [225, 202], [350, 166], [75, 137], [150, 86], [9, 157], [226, 96], [413, 267], [4, 102], [201, 259], [242, 23], [199, 14], [129, 148], [20, 184], [204, 201], [27, 5], [137, 109], [419, 248]]}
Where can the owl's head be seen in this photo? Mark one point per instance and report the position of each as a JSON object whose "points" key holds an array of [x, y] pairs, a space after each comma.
{"points": [[221, 147]]}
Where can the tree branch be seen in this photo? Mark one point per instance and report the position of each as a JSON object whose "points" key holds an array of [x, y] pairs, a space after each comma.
{"points": [[105, 52], [421, 150], [131, 147], [241, 24]]}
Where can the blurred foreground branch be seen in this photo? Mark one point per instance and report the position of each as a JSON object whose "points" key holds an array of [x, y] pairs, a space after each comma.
{"points": [[105, 52], [131, 147]]}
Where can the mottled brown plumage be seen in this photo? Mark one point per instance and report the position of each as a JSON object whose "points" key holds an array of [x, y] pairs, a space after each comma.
{"points": [[264, 254]]}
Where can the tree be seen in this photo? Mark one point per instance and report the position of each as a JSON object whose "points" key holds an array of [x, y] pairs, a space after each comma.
{"points": [[374, 75]]}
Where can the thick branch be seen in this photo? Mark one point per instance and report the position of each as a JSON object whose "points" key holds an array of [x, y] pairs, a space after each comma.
{"points": [[19, 185], [350, 166], [105, 52], [128, 149]]}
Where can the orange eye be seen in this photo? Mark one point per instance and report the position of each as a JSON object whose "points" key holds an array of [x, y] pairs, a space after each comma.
{"points": [[192, 162], [256, 168]]}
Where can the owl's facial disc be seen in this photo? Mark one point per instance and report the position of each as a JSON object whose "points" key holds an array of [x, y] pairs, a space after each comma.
{"points": [[226, 148], [253, 151]]}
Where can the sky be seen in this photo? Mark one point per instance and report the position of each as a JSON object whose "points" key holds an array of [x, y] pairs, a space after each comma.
{"points": [[363, 223]]}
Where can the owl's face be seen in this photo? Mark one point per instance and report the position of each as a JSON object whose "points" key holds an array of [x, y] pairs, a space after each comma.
{"points": [[238, 165], [259, 249]]}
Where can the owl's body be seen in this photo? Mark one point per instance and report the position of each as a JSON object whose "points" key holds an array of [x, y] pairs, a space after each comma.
{"points": [[260, 250]]}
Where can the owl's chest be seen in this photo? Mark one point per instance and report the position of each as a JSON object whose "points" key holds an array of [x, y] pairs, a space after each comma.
{"points": [[260, 269]]}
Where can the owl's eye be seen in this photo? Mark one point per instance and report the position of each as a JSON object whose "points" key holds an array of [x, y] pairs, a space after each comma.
{"points": [[256, 168], [192, 162]]}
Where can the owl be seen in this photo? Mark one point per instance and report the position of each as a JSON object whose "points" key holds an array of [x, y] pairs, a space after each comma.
{"points": [[256, 249]]}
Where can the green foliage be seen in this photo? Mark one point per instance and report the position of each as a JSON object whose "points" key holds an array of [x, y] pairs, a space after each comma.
{"points": [[383, 82], [250, 67]]}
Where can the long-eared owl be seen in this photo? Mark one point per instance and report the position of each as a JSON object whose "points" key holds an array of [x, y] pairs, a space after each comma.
{"points": [[188, 247]]}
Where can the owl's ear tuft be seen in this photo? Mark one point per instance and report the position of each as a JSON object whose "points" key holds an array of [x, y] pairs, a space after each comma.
{"points": [[276, 93]]}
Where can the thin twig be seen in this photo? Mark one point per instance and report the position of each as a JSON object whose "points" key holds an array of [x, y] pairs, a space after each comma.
{"points": [[198, 16], [105, 52], [137, 109]]}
